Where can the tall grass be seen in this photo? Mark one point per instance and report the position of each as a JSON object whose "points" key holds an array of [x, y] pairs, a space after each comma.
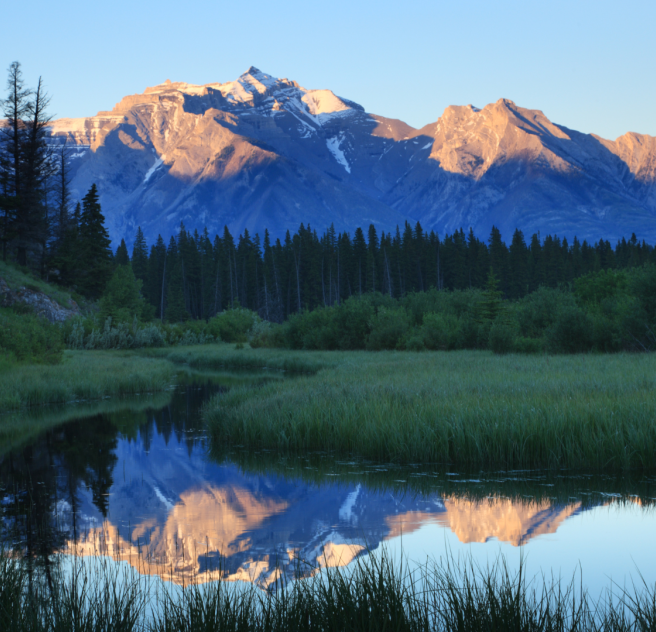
{"points": [[468, 409], [371, 594], [83, 375], [229, 356]]}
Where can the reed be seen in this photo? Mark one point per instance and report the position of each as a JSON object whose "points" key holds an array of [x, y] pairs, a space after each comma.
{"points": [[468, 409], [373, 593], [229, 356], [83, 375]]}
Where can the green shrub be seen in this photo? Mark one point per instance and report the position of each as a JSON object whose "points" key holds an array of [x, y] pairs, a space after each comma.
{"points": [[522, 344], [441, 332], [27, 338], [232, 325], [415, 343], [571, 332], [502, 336], [122, 299], [538, 311], [388, 329]]}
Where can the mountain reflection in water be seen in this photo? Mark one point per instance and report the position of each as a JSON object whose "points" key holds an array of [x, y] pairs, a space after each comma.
{"points": [[144, 488]]}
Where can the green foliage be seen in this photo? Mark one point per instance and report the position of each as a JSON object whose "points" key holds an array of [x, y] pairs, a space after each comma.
{"points": [[571, 332], [442, 332], [24, 338], [501, 338], [122, 299], [232, 325], [389, 327], [538, 311]]}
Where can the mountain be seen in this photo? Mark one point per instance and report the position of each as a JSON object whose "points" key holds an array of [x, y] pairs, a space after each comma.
{"points": [[262, 152]]}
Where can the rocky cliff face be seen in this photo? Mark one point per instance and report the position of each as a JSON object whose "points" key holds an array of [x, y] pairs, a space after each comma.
{"points": [[264, 152]]}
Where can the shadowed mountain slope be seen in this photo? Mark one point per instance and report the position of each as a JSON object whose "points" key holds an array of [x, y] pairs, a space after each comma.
{"points": [[264, 152]]}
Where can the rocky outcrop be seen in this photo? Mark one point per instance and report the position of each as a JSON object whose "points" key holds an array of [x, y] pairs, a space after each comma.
{"points": [[265, 152], [41, 303]]}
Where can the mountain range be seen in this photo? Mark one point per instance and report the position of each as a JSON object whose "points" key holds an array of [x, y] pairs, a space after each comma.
{"points": [[263, 152]]}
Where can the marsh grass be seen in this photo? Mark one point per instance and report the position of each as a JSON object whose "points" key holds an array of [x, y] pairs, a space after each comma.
{"points": [[373, 593], [228, 356], [469, 409], [83, 375]]}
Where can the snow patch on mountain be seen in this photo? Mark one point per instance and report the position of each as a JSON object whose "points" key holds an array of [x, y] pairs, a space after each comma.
{"points": [[252, 81], [158, 163], [333, 145], [323, 102]]}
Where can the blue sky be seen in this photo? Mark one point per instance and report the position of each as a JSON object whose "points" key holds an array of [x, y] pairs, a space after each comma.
{"points": [[586, 64]]}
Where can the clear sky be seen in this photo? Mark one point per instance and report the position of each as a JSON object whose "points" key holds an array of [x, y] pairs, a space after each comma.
{"points": [[587, 64]]}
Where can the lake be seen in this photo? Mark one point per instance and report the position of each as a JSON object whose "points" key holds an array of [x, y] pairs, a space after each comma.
{"points": [[138, 481]]}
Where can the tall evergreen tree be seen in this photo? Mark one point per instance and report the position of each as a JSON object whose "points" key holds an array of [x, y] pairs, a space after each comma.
{"points": [[140, 256], [121, 258], [95, 258]]}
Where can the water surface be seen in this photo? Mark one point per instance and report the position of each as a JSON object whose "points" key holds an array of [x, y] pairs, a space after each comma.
{"points": [[140, 482]]}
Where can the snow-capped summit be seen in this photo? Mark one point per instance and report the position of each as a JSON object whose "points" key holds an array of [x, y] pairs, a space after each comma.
{"points": [[262, 151]]}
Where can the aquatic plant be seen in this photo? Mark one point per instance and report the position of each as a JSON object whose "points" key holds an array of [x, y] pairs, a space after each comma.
{"points": [[469, 409]]}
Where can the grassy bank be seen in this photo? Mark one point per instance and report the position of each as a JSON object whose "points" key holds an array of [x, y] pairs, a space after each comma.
{"points": [[229, 356], [372, 594], [83, 375], [468, 409]]}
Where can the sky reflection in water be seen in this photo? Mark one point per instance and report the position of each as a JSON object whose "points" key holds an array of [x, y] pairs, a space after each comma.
{"points": [[142, 487]]}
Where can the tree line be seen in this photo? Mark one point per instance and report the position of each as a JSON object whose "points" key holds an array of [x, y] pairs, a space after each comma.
{"points": [[196, 276]]}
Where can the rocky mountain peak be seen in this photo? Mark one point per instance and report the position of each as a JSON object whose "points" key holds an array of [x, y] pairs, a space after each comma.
{"points": [[262, 151]]}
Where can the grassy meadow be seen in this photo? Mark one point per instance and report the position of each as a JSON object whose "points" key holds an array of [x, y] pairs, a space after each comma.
{"points": [[469, 409], [82, 375]]}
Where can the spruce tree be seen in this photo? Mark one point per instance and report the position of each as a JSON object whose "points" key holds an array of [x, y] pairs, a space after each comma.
{"points": [[140, 256], [95, 259], [121, 258]]}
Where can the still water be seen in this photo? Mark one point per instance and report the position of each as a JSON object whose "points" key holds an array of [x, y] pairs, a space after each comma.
{"points": [[139, 481]]}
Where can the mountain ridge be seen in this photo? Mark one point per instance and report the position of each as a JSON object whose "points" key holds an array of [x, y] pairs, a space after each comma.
{"points": [[263, 152]]}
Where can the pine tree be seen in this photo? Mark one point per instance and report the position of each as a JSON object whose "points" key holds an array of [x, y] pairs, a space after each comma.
{"points": [[121, 258], [518, 262], [95, 259], [66, 258], [492, 303], [140, 256]]}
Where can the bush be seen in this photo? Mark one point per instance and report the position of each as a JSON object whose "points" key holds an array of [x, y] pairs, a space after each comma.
{"points": [[538, 311], [232, 325], [441, 331], [27, 338], [571, 332], [415, 343], [528, 345], [122, 300], [388, 329], [502, 336]]}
